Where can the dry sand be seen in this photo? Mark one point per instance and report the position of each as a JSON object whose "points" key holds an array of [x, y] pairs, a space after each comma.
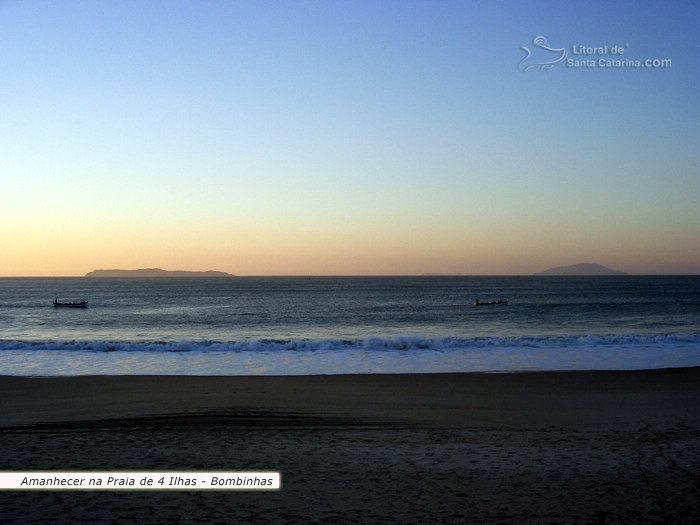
{"points": [[428, 448]]}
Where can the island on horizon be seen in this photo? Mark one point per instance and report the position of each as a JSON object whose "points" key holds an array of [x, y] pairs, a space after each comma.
{"points": [[581, 269], [155, 272]]}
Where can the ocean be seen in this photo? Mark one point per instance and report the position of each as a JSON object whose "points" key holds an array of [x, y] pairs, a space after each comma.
{"points": [[347, 325]]}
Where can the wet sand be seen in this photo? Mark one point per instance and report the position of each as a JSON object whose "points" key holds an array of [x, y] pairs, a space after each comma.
{"points": [[555, 447]]}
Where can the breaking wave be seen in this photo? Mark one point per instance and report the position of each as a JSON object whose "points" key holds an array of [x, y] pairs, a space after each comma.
{"points": [[394, 344]]}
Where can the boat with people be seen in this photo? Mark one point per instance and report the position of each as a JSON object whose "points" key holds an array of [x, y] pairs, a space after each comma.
{"points": [[497, 301], [71, 304]]}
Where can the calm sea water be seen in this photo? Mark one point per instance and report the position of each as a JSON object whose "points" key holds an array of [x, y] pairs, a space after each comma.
{"points": [[247, 325]]}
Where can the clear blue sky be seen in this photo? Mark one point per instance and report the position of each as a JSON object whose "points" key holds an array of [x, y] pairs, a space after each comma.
{"points": [[322, 138]]}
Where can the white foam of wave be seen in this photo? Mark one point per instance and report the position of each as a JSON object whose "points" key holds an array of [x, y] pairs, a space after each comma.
{"points": [[370, 356], [400, 343]]}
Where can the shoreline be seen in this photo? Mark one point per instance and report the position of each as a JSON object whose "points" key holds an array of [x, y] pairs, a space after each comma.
{"points": [[563, 399]]}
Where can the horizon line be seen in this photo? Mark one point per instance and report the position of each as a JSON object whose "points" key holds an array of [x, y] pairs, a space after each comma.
{"points": [[537, 274]]}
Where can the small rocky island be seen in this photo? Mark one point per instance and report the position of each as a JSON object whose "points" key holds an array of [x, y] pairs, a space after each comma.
{"points": [[155, 273], [581, 269]]}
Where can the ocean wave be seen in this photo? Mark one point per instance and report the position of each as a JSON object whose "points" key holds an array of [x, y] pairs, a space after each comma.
{"points": [[374, 344]]}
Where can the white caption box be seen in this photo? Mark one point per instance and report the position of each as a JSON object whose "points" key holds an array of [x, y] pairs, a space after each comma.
{"points": [[61, 480]]}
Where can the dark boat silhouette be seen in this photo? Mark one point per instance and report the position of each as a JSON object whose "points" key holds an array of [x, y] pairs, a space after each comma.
{"points": [[71, 304], [498, 301]]}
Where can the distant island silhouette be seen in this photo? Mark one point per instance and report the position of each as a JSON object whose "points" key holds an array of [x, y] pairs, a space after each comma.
{"points": [[155, 272], [581, 269]]}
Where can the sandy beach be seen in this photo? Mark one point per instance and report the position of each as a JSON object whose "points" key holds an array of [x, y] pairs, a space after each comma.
{"points": [[550, 447]]}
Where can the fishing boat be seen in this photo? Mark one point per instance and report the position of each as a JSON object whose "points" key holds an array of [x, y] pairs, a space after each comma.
{"points": [[497, 301], [71, 304]]}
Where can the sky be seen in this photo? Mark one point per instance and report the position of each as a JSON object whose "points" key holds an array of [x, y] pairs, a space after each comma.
{"points": [[348, 137]]}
